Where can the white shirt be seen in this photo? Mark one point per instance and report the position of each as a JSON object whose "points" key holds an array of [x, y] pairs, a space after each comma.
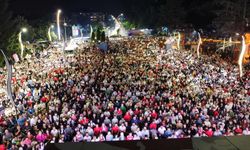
{"points": [[161, 130], [246, 132], [122, 128], [33, 121], [54, 132]]}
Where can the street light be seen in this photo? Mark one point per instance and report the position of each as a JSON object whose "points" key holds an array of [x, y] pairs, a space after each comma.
{"points": [[23, 30], [58, 24], [49, 32]]}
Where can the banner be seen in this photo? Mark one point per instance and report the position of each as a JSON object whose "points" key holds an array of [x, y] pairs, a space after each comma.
{"points": [[16, 58]]}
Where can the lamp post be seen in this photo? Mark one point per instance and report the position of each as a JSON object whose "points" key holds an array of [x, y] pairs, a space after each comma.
{"points": [[199, 44], [65, 31], [91, 31], [23, 30], [58, 24], [241, 57], [49, 32]]}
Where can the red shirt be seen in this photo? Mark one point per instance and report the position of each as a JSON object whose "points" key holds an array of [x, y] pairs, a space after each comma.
{"points": [[84, 121], [115, 129], [55, 79], [2, 147], [44, 99], [97, 130], [154, 115], [14, 80], [28, 94], [137, 112], [127, 117], [238, 131], [209, 133], [216, 113], [153, 126], [1, 120], [119, 112]]}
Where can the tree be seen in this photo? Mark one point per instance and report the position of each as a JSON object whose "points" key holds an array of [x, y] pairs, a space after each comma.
{"points": [[7, 24], [93, 36], [6, 27], [98, 34], [171, 13], [200, 13], [156, 13], [128, 25], [41, 27], [229, 15], [11, 43], [21, 22], [103, 37]]}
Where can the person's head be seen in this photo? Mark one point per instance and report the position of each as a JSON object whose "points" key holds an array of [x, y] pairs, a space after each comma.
{"points": [[39, 132], [6, 131]]}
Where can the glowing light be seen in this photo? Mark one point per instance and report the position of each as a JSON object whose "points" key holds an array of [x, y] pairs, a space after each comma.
{"points": [[49, 32], [91, 31], [240, 61], [224, 44], [58, 24], [199, 44], [23, 30], [230, 41], [178, 41]]}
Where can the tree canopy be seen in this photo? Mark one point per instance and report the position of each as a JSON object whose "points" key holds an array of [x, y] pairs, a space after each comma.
{"points": [[6, 25]]}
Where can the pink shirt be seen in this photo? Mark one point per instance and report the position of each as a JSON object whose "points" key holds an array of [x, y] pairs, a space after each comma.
{"points": [[40, 138]]}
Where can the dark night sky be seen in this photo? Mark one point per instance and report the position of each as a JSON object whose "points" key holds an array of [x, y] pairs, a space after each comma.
{"points": [[37, 8], [46, 9]]}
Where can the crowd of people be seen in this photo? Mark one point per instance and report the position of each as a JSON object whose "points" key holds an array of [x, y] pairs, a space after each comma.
{"points": [[136, 91]]}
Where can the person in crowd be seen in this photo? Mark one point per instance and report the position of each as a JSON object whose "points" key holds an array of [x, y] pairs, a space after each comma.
{"points": [[129, 95]]}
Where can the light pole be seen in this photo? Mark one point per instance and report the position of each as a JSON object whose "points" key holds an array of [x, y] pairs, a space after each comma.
{"points": [[91, 31], [23, 30], [49, 32], [241, 57], [65, 31], [199, 44], [8, 81], [58, 24]]}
